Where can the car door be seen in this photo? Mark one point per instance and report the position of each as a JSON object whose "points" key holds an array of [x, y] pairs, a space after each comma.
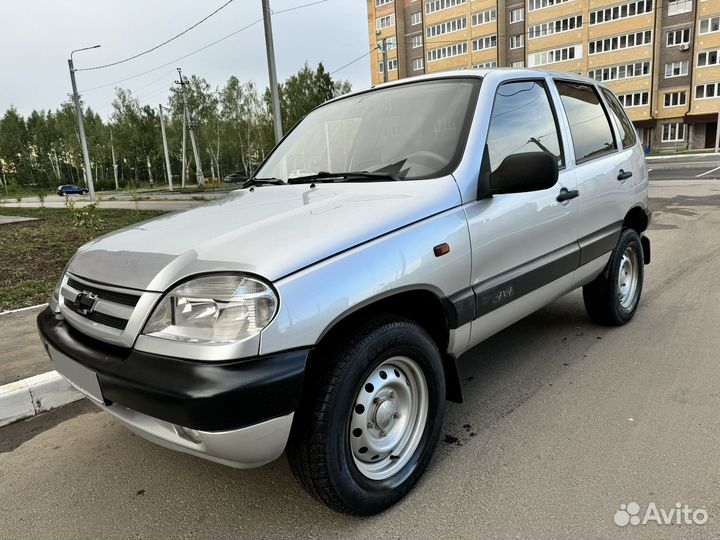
{"points": [[524, 245], [602, 169]]}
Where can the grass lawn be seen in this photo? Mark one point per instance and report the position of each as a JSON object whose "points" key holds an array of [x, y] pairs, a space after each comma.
{"points": [[34, 253]]}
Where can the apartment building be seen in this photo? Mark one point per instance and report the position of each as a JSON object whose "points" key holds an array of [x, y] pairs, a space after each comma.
{"points": [[661, 57]]}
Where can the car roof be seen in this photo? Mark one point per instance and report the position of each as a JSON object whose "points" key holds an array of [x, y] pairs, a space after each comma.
{"points": [[479, 74]]}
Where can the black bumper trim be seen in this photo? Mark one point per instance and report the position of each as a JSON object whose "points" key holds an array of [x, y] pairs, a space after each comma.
{"points": [[215, 396]]}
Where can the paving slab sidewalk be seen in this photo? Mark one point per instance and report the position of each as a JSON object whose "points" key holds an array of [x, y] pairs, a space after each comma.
{"points": [[4, 220]]}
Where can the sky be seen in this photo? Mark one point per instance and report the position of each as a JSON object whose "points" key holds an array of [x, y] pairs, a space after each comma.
{"points": [[36, 37]]}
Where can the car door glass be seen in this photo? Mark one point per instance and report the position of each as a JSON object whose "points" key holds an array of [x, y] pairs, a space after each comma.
{"points": [[590, 128], [522, 120], [623, 122]]}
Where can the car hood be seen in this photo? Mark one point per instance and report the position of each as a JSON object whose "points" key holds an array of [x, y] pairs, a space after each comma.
{"points": [[270, 231]]}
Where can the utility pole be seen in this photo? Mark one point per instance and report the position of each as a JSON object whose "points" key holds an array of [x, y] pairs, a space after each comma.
{"points": [[270, 49], [192, 126], [115, 165], [184, 149], [717, 134], [385, 60], [81, 126], [165, 147]]}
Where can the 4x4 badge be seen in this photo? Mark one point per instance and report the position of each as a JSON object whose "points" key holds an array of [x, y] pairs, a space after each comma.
{"points": [[85, 302]]}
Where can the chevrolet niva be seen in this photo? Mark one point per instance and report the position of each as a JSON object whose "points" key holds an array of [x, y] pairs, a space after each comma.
{"points": [[320, 309]]}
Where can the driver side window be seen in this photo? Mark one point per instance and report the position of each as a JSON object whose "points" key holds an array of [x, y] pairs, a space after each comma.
{"points": [[522, 121]]}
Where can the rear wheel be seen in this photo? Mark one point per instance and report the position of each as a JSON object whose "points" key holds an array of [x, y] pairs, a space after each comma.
{"points": [[612, 298], [367, 429]]}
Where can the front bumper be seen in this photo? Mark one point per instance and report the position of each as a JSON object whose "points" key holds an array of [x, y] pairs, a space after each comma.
{"points": [[238, 412]]}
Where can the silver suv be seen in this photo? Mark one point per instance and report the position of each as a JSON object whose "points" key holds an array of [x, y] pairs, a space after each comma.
{"points": [[321, 308]]}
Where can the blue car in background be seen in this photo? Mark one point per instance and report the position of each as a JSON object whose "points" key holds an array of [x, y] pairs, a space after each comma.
{"points": [[71, 189]]}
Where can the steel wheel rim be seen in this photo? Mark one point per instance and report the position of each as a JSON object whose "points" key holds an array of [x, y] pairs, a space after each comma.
{"points": [[388, 418], [628, 278]]}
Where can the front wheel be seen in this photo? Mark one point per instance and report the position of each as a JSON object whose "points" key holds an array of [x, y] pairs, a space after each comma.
{"points": [[368, 427], [613, 297]]}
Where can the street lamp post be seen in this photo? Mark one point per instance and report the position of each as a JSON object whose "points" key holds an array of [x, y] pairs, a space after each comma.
{"points": [[81, 125], [270, 50]]}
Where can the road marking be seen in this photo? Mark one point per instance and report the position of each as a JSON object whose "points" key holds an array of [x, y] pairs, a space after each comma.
{"points": [[707, 172], [649, 170]]}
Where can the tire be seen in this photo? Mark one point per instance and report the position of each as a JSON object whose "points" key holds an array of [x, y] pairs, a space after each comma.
{"points": [[343, 412], [613, 297]]}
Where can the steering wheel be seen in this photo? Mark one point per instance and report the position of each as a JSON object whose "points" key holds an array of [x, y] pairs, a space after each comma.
{"points": [[427, 158]]}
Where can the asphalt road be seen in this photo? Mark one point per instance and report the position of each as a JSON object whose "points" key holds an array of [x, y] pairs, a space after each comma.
{"points": [[686, 166], [563, 422]]}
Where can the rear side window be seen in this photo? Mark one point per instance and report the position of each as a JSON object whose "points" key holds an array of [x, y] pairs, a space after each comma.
{"points": [[522, 121], [589, 125], [623, 122]]}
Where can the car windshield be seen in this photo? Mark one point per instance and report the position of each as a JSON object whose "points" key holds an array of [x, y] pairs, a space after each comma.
{"points": [[410, 131]]}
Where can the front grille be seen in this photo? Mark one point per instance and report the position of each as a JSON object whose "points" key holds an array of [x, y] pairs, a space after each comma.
{"points": [[96, 316], [104, 294]]}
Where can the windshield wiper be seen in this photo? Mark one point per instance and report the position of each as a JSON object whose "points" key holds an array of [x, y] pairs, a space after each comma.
{"points": [[362, 176], [262, 182]]}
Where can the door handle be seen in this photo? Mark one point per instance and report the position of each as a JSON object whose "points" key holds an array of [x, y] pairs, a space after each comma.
{"points": [[566, 195], [624, 175]]}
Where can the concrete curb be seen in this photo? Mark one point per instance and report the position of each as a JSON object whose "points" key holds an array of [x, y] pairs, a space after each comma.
{"points": [[34, 395], [20, 310]]}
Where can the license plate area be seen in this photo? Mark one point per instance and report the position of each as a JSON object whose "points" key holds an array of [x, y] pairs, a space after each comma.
{"points": [[82, 378]]}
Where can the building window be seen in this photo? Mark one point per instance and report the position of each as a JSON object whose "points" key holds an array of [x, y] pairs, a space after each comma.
{"points": [[676, 69], [517, 15], [482, 17], [710, 25], [518, 64], [439, 5], [541, 4], [449, 51], [625, 41], [383, 2], [392, 65], [487, 42], [391, 43], [673, 132], [485, 65], [707, 91], [418, 64], [385, 22], [675, 99], [447, 27], [709, 58], [416, 41], [555, 27], [622, 11], [517, 42], [416, 18], [675, 7], [678, 37], [635, 99], [555, 55], [622, 71]]}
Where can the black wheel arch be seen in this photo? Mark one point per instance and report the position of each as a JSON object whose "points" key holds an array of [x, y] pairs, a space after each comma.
{"points": [[423, 306]]}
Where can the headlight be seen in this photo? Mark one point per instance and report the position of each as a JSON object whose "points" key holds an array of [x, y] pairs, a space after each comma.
{"points": [[213, 309]]}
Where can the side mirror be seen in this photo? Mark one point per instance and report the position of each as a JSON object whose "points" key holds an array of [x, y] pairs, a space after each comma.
{"points": [[528, 171]]}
